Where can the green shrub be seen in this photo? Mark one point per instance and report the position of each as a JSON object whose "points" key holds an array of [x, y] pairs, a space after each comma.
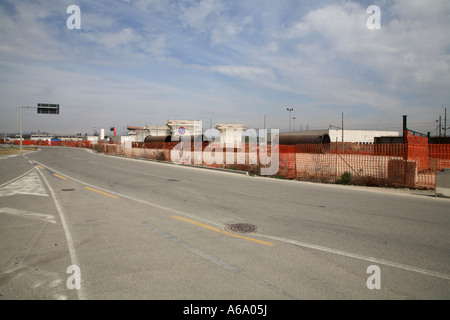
{"points": [[346, 178]]}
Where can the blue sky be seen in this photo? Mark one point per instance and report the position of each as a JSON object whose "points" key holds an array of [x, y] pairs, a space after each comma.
{"points": [[142, 62]]}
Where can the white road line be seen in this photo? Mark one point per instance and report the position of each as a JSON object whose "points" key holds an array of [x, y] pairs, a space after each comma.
{"points": [[30, 184], [8, 156], [360, 257], [295, 242], [17, 178], [193, 249], [28, 214], [70, 243]]}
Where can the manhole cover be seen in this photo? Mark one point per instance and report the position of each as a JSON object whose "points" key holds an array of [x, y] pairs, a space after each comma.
{"points": [[241, 227]]}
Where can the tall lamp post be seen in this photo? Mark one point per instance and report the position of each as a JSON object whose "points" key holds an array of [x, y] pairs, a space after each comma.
{"points": [[290, 110]]}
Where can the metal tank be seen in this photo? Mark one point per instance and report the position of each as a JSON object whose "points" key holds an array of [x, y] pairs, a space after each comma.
{"points": [[293, 139], [170, 138]]}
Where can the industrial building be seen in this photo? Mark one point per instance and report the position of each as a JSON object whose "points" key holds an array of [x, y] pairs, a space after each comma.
{"points": [[336, 135], [233, 134]]}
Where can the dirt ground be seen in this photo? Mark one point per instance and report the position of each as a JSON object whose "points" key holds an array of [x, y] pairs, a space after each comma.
{"points": [[6, 150]]}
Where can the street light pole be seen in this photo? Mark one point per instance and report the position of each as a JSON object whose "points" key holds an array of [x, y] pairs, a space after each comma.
{"points": [[21, 126], [343, 146], [445, 123], [21, 123], [41, 108], [290, 110]]}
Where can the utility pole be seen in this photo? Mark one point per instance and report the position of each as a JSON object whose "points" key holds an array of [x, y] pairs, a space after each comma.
{"points": [[445, 123], [21, 123], [342, 133], [440, 126], [290, 110], [21, 126], [405, 127]]}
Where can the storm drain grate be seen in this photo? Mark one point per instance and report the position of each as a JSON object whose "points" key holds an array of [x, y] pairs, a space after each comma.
{"points": [[241, 227], [68, 189]]}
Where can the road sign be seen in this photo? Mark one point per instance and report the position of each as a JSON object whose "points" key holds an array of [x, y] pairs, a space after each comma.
{"points": [[181, 131], [47, 108]]}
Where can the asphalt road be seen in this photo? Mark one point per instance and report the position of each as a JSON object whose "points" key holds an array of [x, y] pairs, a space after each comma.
{"points": [[146, 230]]}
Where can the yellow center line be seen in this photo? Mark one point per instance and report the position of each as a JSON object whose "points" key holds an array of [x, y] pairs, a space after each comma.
{"points": [[223, 232], [41, 167], [59, 176], [101, 192]]}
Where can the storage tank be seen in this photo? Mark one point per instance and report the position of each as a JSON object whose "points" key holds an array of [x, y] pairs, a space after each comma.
{"points": [[293, 139], [170, 138]]}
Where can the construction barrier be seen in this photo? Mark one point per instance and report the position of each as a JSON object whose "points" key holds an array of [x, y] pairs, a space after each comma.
{"points": [[413, 164], [395, 165], [76, 144]]}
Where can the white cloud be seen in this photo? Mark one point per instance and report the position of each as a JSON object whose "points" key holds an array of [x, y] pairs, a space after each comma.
{"points": [[92, 21], [198, 15], [113, 40], [24, 35], [271, 47], [337, 53], [300, 29], [212, 19], [245, 72], [230, 54]]}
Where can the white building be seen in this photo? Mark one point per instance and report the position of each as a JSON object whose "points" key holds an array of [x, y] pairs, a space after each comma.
{"points": [[360, 136], [91, 139], [41, 137], [363, 136]]}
